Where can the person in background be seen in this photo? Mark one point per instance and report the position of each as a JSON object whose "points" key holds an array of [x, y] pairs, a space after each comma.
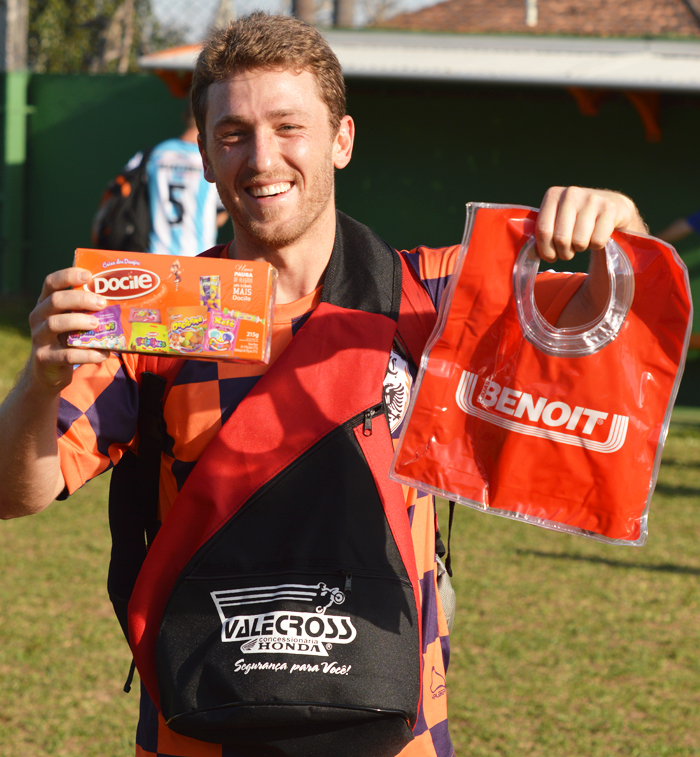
{"points": [[186, 211]]}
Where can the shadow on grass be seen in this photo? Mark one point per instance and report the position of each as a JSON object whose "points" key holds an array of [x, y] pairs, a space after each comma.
{"points": [[677, 491], [672, 462], [662, 568]]}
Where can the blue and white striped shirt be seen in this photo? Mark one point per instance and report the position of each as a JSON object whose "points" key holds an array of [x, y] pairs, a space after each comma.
{"points": [[183, 204]]}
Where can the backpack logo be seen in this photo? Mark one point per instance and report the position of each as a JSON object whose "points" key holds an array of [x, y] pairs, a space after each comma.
{"points": [[284, 631], [496, 404], [123, 283]]}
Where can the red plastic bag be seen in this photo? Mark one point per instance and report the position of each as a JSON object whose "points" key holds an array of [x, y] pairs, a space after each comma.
{"points": [[561, 428]]}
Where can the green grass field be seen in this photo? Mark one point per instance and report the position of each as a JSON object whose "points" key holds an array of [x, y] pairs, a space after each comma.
{"points": [[563, 647]]}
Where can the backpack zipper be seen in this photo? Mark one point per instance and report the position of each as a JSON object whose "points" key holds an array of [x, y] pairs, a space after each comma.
{"points": [[367, 426], [367, 420]]}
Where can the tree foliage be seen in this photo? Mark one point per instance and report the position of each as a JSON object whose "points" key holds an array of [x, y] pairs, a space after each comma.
{"points": [[94, 36]]}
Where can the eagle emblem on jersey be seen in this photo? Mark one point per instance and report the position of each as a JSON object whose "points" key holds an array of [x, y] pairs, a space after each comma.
{"points": [[397, 390]]}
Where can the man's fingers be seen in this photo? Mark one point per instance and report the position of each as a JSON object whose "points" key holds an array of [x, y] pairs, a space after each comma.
{"points": [[63, 279], [64, 323], [544, 229], [59, 356], [73, 299], [574, 219], [584, 228], [64, 306], [65, 301], [58, 296], [53, 359], [557, 222], [60, 311]]}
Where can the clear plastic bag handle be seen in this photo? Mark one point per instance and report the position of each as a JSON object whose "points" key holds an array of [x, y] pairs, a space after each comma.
{"points": [[579, 340]]}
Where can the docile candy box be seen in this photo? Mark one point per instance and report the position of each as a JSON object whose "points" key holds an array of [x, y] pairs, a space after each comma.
{"points": [[202, 307]]}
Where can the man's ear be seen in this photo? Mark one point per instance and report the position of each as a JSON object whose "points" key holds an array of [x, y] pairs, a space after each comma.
{"points": [[209, 174], [344, 140]]}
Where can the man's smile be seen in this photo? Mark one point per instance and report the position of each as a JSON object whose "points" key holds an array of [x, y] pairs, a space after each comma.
{"points": [[269, 190]]}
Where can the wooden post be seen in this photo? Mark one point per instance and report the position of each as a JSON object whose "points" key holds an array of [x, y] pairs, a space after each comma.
{"points": [[344, 13], [531, 12]]}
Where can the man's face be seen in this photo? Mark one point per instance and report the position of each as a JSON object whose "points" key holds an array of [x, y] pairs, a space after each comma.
{"points": [[270, 149]]}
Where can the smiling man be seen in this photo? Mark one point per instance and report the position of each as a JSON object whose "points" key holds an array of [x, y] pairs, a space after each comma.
{"points": [[269, 137], [271, 145], [309, 620]]}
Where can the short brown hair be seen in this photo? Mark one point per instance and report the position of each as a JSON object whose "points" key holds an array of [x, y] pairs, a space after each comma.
{"points": [[268, 41]]}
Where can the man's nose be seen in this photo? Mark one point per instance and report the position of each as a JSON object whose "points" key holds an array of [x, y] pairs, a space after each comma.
{"points": [[263, 151]]}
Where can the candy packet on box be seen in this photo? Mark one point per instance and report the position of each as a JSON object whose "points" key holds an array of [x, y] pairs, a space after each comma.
{"points": [[151, 337], [188, 307], [222, 331], [109, 335]]}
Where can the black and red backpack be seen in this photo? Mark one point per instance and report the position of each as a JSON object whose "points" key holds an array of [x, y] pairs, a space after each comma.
{"points": [[278, 607]]}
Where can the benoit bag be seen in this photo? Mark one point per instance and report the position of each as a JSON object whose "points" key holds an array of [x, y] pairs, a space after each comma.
{"points": [[561, 428]]}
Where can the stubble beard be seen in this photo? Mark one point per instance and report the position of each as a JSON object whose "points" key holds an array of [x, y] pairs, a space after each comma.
{"points": [[266, 233]]}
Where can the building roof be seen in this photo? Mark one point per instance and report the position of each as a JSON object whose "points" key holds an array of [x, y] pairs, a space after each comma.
{"points": [[599, 18], [517, 60]]}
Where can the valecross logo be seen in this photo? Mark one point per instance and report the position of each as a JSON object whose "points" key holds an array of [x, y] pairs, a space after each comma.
{"points": [[284, 631], [500, 405], [123, 283]]}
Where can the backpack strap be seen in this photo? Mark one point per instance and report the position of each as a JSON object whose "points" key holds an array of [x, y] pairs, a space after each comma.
{"points": [[134, 486]]}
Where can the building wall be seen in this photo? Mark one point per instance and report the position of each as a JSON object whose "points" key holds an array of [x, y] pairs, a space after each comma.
{"points": [[420, 154]]}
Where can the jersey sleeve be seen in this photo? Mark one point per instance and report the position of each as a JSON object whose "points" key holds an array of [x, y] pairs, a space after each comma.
{"points": [[434, 266], [97, 418]]}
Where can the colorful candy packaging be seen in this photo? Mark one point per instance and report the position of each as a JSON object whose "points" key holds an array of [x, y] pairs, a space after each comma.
{"points": [[144, 315], [222, 330], [109, 335], [187, 328], [149, 337], [189, 307], [560, 428]]}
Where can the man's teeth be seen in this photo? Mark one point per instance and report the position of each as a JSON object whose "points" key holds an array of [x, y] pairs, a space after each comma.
{"points": [[271, 189]]}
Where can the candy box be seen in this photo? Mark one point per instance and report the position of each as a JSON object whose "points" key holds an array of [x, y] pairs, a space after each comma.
{"points": [[202, 307]]}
